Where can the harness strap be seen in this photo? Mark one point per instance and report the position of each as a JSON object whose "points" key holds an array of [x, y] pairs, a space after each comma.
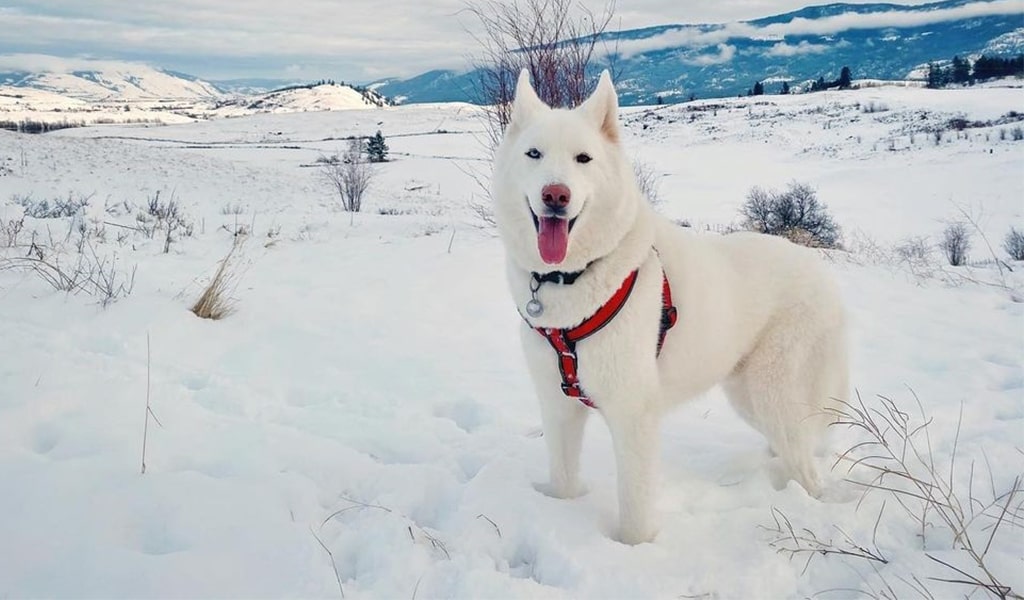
{"points": [[669, 314], [563, 341]]}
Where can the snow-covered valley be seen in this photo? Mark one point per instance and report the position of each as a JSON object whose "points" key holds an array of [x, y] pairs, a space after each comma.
{"points": [[362, 423]]}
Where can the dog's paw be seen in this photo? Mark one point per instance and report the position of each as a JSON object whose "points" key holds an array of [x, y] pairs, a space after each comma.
{"points": [[634, 535], [562, 492]]}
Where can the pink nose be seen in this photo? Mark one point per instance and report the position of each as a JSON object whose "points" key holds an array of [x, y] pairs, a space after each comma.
{"points": [[556, 196]]}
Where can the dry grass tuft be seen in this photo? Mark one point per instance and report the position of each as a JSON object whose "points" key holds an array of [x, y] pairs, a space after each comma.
{"points": [[215, 302]]}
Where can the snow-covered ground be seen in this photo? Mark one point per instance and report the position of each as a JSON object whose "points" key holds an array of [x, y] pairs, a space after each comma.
{"points": [[363, 419]]}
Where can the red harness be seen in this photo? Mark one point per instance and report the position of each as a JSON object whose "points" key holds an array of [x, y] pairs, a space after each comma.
{"points": [[564, 340]]}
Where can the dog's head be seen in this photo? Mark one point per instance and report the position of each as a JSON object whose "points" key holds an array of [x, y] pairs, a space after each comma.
{"points": [[564, 192]]}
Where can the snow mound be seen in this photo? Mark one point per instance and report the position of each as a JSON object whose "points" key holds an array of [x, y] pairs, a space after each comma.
{"points": [[323, 97]]}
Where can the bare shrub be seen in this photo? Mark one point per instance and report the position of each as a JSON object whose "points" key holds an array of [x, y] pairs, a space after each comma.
{"points": [[555, 40], [913, 249], [901, 465], [349, 175], [946, 501], [916, 255], [90, 273], [165, 218], [215, 302], [10, 229], [1013, 243], [59, 208], [648, 181], [795, 214], [874, 107], [232, 209], [955, 243]]}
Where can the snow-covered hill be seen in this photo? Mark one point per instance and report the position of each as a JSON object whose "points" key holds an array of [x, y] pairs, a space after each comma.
{"points": [[320, 97], [362, 425], [136, 93], [106, 82]]}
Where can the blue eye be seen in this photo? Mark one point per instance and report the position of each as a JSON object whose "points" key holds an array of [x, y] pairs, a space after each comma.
{"points": [[583, 158], [533, 153]]}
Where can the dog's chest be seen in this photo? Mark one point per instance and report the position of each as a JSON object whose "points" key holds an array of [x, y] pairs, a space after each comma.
{"points": [[617, 358]]}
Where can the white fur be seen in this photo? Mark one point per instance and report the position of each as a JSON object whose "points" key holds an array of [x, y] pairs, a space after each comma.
{"points": [[757, 314]]}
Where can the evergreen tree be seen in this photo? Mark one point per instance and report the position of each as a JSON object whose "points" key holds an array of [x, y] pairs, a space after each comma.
{"points": [[961, 70], [845, 79], [377, 148], [990, 67], [785, 88], [758, 89], [936, 76]]}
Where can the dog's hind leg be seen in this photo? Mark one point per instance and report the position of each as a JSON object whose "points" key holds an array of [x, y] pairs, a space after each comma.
{"points": [[781, 390], [564, 419]]}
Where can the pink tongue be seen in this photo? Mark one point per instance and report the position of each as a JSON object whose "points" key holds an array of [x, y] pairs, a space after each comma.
{"points": [[553, 239]]}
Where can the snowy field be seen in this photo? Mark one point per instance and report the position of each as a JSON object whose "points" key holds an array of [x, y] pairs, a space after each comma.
{"points": [[363, 424]]}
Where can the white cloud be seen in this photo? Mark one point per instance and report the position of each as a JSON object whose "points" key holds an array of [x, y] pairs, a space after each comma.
{"points": [[697, 38], [363, 38], [725, 54], [407, 37], [41, 63], [897, 19], [804, 47]]}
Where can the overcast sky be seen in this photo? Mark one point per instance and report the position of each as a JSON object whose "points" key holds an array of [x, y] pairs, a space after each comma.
{"points": [[353, 40]]}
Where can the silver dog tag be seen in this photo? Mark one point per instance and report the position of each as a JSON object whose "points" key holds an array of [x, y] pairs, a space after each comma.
{"points": [[534, 308]]}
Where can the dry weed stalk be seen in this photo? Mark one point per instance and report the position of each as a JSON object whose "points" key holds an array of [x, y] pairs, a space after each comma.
{"points": [[415, 531], [899, 458], [149, 410], [793, 541], [334, 565]]}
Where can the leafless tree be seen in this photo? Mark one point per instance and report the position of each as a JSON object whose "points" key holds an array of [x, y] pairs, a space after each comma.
{"points": [[556, 40], [349, 175], [956, 241], [1013, 243]]}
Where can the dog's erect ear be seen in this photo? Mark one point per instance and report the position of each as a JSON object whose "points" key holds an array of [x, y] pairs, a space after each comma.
{"points": [[526, 102], [602, 107]]}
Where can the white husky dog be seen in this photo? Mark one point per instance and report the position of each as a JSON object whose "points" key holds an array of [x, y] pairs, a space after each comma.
{"points": [[588, 258]]}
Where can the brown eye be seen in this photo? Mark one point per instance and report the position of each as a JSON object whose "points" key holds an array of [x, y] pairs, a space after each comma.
{"points": [[583, 158], [533, 153]]}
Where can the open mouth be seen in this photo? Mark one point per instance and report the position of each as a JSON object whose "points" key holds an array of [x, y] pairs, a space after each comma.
{"points": [[552, 236]]}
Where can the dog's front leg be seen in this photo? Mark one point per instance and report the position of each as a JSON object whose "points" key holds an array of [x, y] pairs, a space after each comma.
{"points": [[635, 439], [564, 419]]}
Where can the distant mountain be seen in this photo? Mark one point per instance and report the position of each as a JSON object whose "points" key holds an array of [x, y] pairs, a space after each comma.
{"points": [[302, 98], [433, 86], [253, 85], [115, 82], [879, 41]]}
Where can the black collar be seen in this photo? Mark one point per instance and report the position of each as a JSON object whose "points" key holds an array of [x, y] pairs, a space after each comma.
{"points": [[559, 277]]}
